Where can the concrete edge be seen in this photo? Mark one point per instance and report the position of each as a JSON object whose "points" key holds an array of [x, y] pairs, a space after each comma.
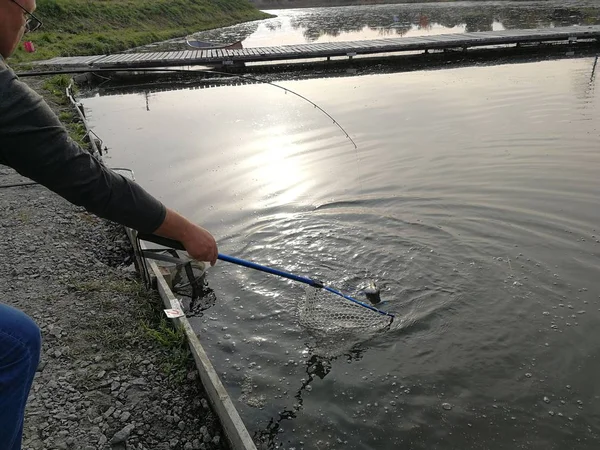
{"points": [[96, 148], [234, 427]]}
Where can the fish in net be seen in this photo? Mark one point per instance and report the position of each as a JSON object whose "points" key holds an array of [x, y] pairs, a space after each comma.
{"points": [[326, 313], [324, 309]]}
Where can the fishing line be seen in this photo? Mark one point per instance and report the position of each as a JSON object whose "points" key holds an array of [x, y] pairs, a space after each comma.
{"points": [[216, 72]]}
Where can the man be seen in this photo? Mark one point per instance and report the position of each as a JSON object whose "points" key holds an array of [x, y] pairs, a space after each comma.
{"points": [[33, 142]]}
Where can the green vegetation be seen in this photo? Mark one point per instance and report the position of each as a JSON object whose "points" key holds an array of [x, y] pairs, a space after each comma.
{"points": [[56, 86], [117, 286], [84, 27], [178, 358], [56, 92], [132, 315], [24, 216]]}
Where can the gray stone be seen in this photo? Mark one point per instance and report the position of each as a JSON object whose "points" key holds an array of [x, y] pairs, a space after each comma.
{"points": [[109, 411], [122, 435], [139, 382]]}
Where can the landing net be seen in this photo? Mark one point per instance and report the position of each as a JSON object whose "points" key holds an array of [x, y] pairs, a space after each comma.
{"points": [[327, 313]]}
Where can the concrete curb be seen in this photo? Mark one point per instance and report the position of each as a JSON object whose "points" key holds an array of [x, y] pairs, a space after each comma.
{"points": [[232, 423], [234, 427]]}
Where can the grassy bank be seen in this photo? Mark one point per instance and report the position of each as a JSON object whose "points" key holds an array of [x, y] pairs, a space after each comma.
{"points": [[54, 93], [84, 27]]}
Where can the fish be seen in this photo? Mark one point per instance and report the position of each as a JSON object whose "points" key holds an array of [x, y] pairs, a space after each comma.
{"points": [[372, 292]]}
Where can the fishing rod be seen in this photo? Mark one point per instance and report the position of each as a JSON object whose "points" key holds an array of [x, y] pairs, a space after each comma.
{"points": [[215, 72]]}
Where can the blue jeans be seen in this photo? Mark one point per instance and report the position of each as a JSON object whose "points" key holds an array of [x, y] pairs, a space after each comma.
{"points": [[20, 344]]}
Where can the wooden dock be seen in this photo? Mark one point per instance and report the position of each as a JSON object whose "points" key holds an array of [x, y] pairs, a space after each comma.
{"points": [[348, 49]]}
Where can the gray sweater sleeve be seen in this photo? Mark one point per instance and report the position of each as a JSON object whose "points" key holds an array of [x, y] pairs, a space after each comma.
{"points": [[35, 144]]}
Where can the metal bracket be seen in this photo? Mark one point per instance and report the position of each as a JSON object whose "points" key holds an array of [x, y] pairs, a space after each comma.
{"points": [[193, 281], [125, 169]]}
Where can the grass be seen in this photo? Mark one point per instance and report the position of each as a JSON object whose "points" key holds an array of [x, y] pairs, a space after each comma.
{"points": [[172, 340], [84, 27], [177, 359], [55, 88], [24, 216], [145, 320], [117, 286]]}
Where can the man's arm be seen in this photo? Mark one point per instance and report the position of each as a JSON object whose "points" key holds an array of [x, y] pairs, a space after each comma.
{"points": [[35, 144]]}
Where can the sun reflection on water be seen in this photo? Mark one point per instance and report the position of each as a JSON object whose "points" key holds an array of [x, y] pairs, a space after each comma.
{"points": [[276, 167]]}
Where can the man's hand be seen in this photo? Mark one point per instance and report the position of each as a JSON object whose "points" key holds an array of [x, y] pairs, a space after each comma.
{"points": [[198, 242]]}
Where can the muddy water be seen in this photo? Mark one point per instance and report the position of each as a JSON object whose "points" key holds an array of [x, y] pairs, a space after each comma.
{"points": [[473, 200]]}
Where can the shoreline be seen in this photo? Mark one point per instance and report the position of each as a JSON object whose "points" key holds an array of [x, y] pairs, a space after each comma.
{"points": [[114, 374]]}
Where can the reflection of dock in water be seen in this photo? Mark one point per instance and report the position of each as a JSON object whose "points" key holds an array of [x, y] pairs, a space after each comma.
{"points": [[392, 46], [194, 43], [119, 82]]}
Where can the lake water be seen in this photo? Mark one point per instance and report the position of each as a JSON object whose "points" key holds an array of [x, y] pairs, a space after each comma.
{"points": [[350, 23], [472, 199]]}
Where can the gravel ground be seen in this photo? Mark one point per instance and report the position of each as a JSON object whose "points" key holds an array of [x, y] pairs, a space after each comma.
{"points": [[103, 382]]}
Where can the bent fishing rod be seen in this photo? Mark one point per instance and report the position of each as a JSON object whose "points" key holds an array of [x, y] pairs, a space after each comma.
{"points": [[187, 71]]}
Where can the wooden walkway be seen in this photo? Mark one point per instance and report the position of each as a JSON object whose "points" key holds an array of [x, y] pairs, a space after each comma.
{"points": [[328, 50]]}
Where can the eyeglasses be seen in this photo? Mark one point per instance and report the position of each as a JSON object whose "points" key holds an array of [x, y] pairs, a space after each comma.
{"points": [[32, 23]]}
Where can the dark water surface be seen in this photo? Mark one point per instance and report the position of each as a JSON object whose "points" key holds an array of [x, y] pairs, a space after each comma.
{"points": [[350, 23], [472, 199]]}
